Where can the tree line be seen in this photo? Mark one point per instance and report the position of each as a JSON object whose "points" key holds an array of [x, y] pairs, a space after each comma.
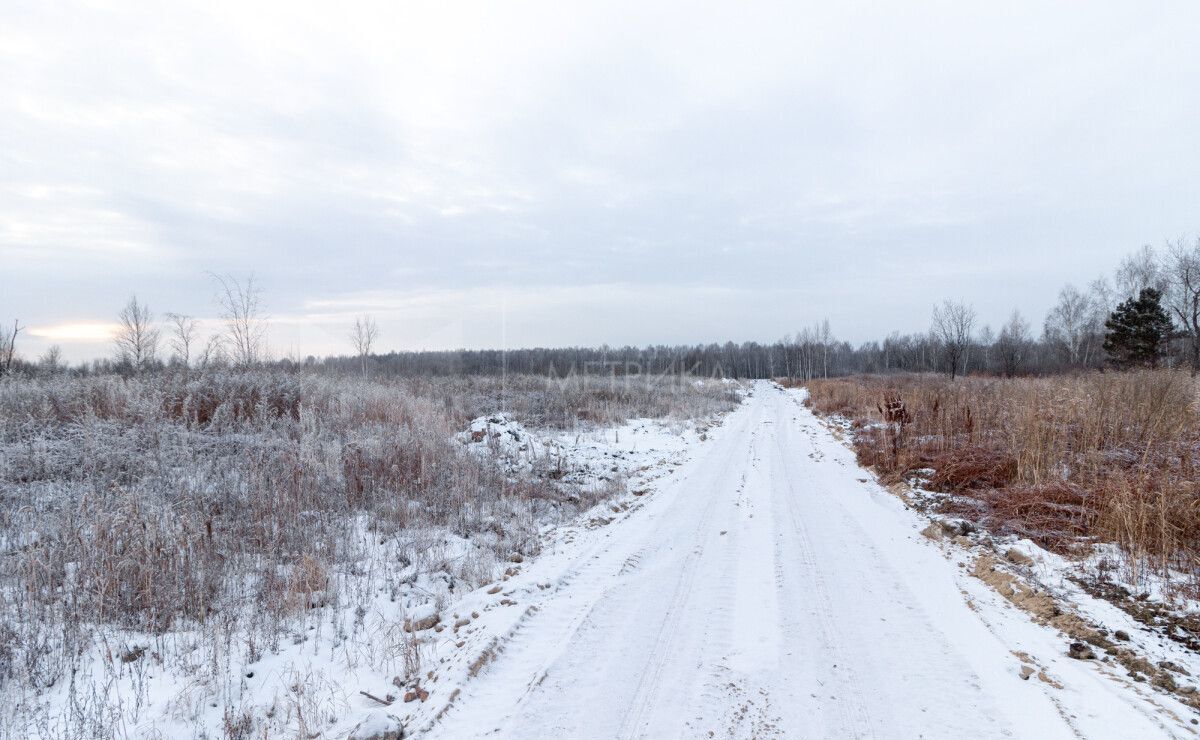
{"points": [[1146, 313]]}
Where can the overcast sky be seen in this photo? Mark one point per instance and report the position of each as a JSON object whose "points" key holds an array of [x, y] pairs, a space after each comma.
{"points": [[555, 174]]}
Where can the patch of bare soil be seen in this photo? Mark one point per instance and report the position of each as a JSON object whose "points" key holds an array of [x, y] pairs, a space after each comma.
{"points": [[1084, 635], [1182, 628]]}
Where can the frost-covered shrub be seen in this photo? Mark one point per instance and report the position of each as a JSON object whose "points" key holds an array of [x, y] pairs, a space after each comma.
{"points": [[236, 503]]}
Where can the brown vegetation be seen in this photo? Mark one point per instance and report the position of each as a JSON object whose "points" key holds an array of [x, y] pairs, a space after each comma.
{"points": [[1103, 456], [244, 501]]}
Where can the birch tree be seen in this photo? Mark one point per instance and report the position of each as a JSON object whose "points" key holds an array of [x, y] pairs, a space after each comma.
{"points": [[1070, 323], [183, 336], [363, 337], [1182, 274], [826, 340], [1139, 271], [137, 337], [245, 325]]}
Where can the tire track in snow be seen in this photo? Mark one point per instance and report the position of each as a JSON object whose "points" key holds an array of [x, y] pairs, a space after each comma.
{"points": [[650, 681], [854, 719], [517, 665], [820, 603], [888, 618]]}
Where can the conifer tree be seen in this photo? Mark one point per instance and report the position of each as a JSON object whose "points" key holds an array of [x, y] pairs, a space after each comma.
{"points": [[1137, 331]]}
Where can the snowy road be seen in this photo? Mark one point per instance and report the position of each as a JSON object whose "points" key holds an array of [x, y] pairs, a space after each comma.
{"points": [[771, 590]]}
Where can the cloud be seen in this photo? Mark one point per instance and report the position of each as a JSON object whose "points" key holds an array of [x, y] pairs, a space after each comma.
{"points": [[78, 332], [514, 317], [448, 153]]}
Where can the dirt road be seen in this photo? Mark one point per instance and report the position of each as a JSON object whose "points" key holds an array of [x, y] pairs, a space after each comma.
{"points": [[774, 590]]}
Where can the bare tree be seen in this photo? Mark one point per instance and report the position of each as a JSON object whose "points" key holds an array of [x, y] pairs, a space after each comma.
{"points": [[51, 359], [952, 324], [1182, 270], [1103, 297], [808, 341], [987, 341], [1071, 323], [1137, 271], [1013, 343], [183, 336], [8, 347], [363, 336], [137, 338], [826, 340], [801, 341], [245, 326], [212, 354]]}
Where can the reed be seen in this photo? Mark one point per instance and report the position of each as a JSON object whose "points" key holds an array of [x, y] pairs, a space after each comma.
{"points": [[1106, 457]]}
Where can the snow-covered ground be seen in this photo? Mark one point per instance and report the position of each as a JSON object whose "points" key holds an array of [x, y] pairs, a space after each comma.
{"points": [[391, 634], [768, 587], [741, 578]]}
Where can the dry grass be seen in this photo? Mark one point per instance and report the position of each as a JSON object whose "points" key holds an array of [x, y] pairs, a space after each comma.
{"points": [[238, 505], [1102, 456]]}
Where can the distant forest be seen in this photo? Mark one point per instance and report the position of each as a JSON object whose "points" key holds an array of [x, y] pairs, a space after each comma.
{"points": [[1073, 337], [1147, 313]]}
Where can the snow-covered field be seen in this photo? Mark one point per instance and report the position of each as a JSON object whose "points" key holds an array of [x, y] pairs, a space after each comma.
{"points": [[742, 577], [768, 587], [369, 639]]}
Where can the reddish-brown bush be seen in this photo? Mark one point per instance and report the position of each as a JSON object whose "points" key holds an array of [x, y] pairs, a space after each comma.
{"points": [[1107, 456]]}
